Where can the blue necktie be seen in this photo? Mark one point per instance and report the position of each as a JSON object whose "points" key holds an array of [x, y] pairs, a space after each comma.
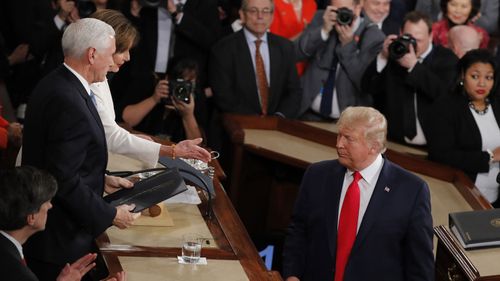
{"points": [[325, 107], [92, 97]]}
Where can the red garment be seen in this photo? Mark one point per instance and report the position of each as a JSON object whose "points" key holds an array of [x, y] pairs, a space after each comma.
{"points": [[348, 225], [286, 24], [440, 33], [3, 133]]}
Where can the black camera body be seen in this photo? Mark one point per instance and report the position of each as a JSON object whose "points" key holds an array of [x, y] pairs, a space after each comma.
{"points": [[401, 46], [179, 89], [345, 16]]}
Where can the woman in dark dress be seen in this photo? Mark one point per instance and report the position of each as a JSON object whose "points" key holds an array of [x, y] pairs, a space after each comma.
{"points": [[465, 133]]}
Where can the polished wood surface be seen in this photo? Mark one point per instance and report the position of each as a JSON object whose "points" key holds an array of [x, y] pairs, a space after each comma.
{"points": [[231, 246]]}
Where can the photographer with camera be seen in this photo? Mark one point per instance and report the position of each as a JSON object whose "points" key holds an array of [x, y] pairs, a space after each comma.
{"points": [[338, 45], [407, 76], [176, 94]]}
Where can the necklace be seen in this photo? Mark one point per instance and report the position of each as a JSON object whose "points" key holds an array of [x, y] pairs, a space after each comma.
{"points": [[480, 112]]}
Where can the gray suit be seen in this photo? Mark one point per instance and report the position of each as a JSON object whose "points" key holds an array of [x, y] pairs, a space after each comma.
{"points": [[354, 58]]}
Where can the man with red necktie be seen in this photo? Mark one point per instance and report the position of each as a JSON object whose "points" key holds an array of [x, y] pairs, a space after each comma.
{"points": [[360, 217]]}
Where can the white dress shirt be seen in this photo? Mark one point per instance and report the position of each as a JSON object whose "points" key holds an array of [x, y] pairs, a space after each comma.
{"points": [[366, 186]]}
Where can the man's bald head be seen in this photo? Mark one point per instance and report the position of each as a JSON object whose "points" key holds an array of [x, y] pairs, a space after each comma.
{"points": [[463, 38]]}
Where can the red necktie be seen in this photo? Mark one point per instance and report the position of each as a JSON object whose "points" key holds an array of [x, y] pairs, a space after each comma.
{"points": [[348, 224], [261, 77], [23, 262]]}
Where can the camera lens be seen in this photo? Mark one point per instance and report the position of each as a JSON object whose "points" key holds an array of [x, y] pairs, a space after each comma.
{"points": [[344, 16], [397, 49]]}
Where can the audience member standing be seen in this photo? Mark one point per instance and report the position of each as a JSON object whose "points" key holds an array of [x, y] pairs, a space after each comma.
{"points": [[487, 17], [338, 54], [360, 217], [169, 32], [404, 87], [463, 38], [456, 12], [253, 71], [64, 135], [290, 18], [465, 131], [378, 11]]}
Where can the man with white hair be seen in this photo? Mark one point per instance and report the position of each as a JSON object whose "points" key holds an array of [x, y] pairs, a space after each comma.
{"points": [[463, 38], [63, 135], [360, 217]]}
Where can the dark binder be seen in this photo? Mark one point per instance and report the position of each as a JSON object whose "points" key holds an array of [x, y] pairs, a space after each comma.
{"points": [[149, 191], [476, 229]]}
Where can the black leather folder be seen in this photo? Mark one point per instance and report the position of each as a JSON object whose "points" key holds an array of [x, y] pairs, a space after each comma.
{"points": [[149, 191], [476, 229]]}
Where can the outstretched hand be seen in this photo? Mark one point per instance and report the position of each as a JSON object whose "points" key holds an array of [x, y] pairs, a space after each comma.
{"points": [[78, 269], [191, 149]]}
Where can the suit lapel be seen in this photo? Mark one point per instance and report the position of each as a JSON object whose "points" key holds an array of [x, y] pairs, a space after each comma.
{"points": [[334, 188], [377, 202], [88, 101]]}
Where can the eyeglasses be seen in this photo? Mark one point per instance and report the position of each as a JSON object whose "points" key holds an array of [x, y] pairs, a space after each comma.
{"points": [[255, 11]]}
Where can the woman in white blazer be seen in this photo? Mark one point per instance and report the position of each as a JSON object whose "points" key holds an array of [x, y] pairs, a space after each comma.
{"points": [[119, 140]]}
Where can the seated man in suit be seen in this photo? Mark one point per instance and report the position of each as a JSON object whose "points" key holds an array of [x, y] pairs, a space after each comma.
{"points": [[24, 205], [338, 53], [63, 134], [404, 84], [253, 71], [360, 217], [378, 11]]}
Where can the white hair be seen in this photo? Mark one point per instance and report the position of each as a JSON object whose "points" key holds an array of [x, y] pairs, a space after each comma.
{"points": [[86, 33]]}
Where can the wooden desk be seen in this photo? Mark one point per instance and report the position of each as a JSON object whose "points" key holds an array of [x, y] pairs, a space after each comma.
{"points": [[297, 144], [149, 253]]}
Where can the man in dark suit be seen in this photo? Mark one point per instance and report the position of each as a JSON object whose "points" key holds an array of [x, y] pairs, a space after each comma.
{"points": [[24, 204], [184, 29], [253, 71], [378, 11], [405, 88], [63, 134], [360, 217], [337, 55]]}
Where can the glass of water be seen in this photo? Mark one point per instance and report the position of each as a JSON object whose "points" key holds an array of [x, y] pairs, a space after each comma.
{"points": [[191, 247]]}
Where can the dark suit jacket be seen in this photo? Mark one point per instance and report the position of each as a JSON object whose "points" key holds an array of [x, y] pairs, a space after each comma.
{"points": [[233, 81], [63, 135], [394, 241], [394, 85], [390, 27], [454, 138], [12, 268]]}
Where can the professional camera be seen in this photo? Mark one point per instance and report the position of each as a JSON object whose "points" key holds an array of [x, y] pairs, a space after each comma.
{"points": [[181, 89], [345, 16], [85, 8], [401, 46]]}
